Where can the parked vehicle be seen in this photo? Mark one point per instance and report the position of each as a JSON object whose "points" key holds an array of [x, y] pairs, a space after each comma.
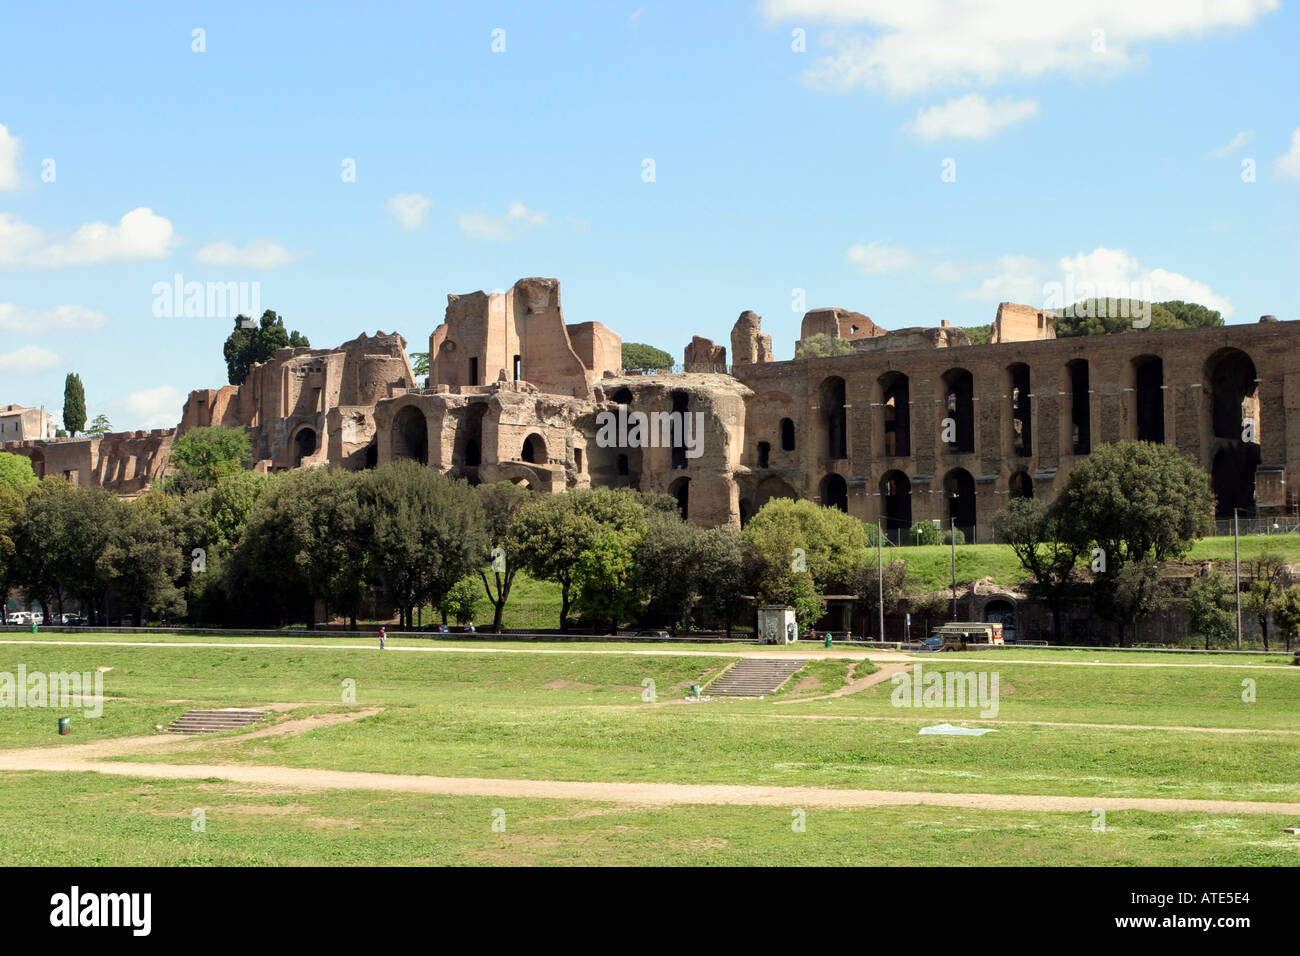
{"points": [[961, 635]]}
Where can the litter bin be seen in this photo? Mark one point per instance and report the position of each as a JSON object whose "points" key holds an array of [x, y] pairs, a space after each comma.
{"points": [[827, 642], [65, 726], [695, 690], [34, 629]]}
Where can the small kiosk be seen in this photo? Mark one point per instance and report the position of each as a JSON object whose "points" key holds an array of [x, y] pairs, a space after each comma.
{"points": [[776, 625]]}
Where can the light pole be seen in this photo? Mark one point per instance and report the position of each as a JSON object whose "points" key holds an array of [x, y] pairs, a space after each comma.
{"points": [[880, 577], [1236, 561], [952, 543]]}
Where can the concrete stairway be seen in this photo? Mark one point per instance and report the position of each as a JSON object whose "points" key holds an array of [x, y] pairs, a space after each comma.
{"points": [[212, 721], [753, 677]]}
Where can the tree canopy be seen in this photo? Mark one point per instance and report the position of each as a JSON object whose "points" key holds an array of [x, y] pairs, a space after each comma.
{"points": [[645, 358], [246, 346], [1113, 316], [74, 404]]}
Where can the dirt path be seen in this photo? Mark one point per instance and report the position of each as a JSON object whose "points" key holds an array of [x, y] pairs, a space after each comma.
{"points": [[639, 794], [881, 674], [816, 653]]}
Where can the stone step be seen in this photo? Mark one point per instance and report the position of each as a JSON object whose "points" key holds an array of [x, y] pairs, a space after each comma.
{"points": [[213, 721], [754, 677]]}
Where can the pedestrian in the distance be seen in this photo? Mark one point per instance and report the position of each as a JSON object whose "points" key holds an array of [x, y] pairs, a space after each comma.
{"points": [[383, 636]]}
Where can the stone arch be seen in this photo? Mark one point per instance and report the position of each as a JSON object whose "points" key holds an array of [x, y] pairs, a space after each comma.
{"points": [[834, 492], [772, 487], [411, 435], [1078, 422], [896, 503], [787, 434], [831, 401], [1232, 389], [304, 444], [681, 408], [959, 493], [1149, 398], [470, 435], [764, 454], [1021, 485], [1002, 611], [622, 396], [681, 490], [1232, 475], [959, 405], [534, 450], [1022, 427], [896, 417]]}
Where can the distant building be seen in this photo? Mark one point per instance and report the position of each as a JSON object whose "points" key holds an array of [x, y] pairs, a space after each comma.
{"points": [[18, 423]]}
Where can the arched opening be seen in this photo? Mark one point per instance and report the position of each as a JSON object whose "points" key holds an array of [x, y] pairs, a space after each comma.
{"points": [[895, 396], [372, 455], [835, 492], [304, 445], [746, 512], [1149, 397], [1080, 437], [834, 417], [1022, 442], [787, 435], [1002, 612], [959, 410], [1022, 486], [622, 465], [1234, 394], [1233, 478], [681, 490], [764, 454], [681, 406], [896, 503], [472, 454], [622, 396], [534, 450], [959, 492], [411, 435]]}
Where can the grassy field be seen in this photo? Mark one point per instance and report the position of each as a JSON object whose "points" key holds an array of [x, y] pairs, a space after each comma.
{"points": [[584, 717]]}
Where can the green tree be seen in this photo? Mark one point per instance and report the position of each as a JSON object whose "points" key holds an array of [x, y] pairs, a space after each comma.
{"points": [[822, 345], [74, 404], [1267, 575], [725, 564], [143, 562], [99, 427], [501, 502], [426, 532], [1286, 616], [866, 584], [550, 538], [16, 471], [668, 546], [1048, 555], [1115, 316], [1211, 608], [462, 602], [1140, 503], [204, 455], [251, 343], [645, 358], [12, 502], [420, 364], [605, 575]]}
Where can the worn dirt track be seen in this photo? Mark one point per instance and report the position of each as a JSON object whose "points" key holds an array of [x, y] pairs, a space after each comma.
{"points": [[816, 653]]}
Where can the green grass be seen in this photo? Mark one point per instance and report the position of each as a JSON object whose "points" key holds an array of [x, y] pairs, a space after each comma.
{"points": [[105, 821], [573, 716]]}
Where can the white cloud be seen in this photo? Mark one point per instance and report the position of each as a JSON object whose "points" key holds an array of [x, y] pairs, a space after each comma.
{"points": [[1288, 165], [517, 220], [256, 254], [875, 256], [10, 146], [1241, 139], [1102, 273], [933, 44], [409, 209], [28, 360], [34, 321], [969, 117], [157, 407], [140, 234]]}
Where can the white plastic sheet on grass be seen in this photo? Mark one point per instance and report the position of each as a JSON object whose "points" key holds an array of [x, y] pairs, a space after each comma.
{"points": [[948, 730]]}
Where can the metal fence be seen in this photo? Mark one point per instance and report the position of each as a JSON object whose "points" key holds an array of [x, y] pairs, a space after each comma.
{"points": [[1275, 525]]}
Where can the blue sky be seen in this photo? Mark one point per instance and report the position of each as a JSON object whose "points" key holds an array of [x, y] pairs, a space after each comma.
{"points": [[1107, 143]]}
